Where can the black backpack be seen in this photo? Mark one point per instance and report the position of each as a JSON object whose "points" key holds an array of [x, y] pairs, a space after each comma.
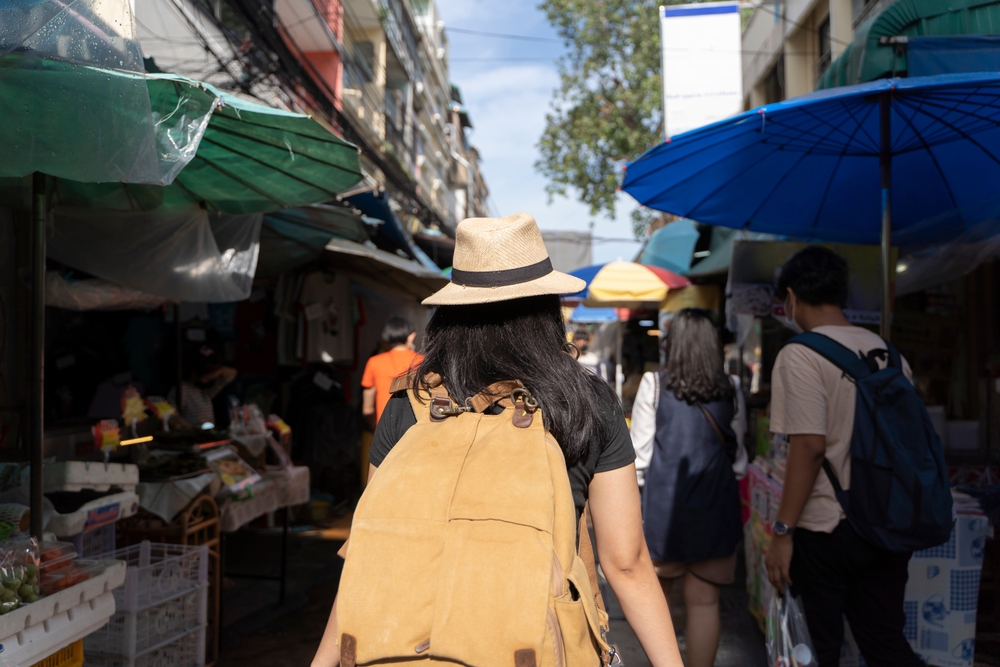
{"points": [[899, 498]]}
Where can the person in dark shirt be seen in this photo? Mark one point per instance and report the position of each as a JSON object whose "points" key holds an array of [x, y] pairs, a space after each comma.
{"points": [[499, 320]]}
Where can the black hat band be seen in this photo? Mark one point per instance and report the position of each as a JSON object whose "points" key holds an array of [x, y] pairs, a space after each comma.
{"points": [[504, 278]]}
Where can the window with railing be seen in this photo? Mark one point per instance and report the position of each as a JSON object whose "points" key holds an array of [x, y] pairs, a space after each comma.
{"points": [[774, 82], [825, 50]]}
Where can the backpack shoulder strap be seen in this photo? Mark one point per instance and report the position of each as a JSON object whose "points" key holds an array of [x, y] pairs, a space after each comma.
{"points": [[834, 352], [585, 550]]}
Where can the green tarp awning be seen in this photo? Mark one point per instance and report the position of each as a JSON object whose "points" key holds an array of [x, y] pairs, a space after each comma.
{"points": [[864, 59], [210, 147]]}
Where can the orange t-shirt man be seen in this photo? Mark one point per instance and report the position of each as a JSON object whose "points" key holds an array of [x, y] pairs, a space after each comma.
{"points": [[382, 369]]}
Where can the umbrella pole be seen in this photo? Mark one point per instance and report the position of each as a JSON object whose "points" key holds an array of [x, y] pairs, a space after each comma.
{"points": [[36, 354], [885, 161]]}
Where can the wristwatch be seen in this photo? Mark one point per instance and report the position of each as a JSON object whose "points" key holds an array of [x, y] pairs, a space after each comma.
{"points": [[782, 528]]}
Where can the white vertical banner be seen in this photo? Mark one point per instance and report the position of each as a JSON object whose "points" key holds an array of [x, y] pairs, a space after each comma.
{"points": [[702, 64]]}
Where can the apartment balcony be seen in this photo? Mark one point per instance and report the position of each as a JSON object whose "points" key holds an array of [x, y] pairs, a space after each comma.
{"points": [[363, 100]]}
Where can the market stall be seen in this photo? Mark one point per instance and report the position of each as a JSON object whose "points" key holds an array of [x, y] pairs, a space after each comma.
{"points": [[942, 593]]}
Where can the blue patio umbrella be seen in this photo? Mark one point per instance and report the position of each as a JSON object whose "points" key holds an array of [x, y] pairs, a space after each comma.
{"points": [[911, 160]]}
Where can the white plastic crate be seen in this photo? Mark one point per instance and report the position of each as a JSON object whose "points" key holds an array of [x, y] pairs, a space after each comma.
{"points": [[131, 633], [94, 543], [99, 512], [185, 651], [36, 630], [99, 476], [159, 572]]}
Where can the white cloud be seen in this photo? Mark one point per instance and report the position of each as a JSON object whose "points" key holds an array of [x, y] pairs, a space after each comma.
{"points": [[507, 100]]}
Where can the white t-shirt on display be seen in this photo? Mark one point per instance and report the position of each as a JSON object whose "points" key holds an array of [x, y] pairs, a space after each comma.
{"points": [[327, 318]]}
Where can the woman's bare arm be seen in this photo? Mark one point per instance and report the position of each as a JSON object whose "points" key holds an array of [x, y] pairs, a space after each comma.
{"points": [[328, 653], [621, 548]]}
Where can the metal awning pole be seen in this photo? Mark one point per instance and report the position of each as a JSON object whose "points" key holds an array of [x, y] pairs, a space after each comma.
{"points": [[885, 161], [36, 353]]}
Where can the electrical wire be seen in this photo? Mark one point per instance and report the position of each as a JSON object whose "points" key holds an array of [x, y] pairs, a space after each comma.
{"points": [[483, 33], [798, 24]]}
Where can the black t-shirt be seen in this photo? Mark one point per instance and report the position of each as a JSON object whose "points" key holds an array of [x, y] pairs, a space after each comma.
{"points": [[616, 453]]}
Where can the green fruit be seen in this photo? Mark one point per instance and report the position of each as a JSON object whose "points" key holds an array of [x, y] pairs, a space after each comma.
{"points": [[25, 591]]}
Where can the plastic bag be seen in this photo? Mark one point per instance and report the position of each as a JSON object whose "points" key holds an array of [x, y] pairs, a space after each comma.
{"points": [[788, 642], [18, 574]]}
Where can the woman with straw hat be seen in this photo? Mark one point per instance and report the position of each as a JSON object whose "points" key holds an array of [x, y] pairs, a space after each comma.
{"points": [[499, 320]]}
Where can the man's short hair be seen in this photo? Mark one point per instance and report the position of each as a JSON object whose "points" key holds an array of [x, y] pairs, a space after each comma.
{"points": [[581, 334], [396, 331], [817, 275]]}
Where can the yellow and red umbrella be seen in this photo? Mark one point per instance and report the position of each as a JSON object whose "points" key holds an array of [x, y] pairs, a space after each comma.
{"points": [[626, 284]]}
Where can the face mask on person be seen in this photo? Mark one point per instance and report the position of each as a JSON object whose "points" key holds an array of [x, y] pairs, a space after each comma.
{"points": [[789, 319]]}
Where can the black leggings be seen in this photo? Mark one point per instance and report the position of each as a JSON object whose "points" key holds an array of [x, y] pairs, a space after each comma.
{"points": [[840, 575]]}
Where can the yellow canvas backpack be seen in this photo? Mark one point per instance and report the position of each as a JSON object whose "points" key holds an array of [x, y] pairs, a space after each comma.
{"points": [[463, 548]]}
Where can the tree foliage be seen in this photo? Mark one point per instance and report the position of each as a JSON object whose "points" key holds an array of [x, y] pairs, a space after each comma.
{"points": [[608, 107]]}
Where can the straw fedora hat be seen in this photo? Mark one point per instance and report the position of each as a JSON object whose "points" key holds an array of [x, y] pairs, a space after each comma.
{"points": [[497, 259]]}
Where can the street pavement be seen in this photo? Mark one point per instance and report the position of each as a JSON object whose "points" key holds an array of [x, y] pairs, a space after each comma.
{"points": [[258, 631]]}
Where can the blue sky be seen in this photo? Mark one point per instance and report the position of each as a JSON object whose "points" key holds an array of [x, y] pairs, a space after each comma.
{"points": [[507, 99]]}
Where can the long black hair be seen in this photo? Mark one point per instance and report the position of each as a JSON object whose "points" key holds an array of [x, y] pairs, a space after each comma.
{"points": [[695, 371], [471, 347]]}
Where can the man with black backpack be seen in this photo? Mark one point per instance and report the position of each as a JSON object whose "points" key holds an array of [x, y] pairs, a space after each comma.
{"points": [[865, 483]]}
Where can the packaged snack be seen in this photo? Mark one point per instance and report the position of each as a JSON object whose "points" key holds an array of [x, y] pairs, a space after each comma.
{"points": [[107, 435], [78, 572], [55, 556], [236, 474], [162, 409], [19, 572], [247, 420]]}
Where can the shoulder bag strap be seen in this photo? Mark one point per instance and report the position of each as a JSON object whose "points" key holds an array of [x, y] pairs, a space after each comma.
{"points": [[715, 425], [585, 550]]}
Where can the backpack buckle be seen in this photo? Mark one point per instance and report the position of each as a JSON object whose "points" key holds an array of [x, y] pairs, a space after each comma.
{"points": [[443, 407], [524, 407]]}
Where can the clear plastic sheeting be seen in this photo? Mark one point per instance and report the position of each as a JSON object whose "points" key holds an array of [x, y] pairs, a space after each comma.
{"points": [[181, 114], [87, 32], [180, 255], [95, 294], [73, 95], [920, 268], [238, 239]]}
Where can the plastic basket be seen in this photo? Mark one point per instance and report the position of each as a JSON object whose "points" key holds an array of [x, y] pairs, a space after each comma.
{"points": [[71, 656], [159, 572], [130, 633], [94, 543], [186, 651]]}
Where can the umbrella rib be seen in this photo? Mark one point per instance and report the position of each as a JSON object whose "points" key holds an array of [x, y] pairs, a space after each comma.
{"points": [[332, 138], [938, 101], [239, 180], [954, 109], [799, 161], [703, 169], [264, 164], [804, 109], [965, 135], [713, 192], [858, 126], [930, 154], [305, 155], [653, 172]]}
